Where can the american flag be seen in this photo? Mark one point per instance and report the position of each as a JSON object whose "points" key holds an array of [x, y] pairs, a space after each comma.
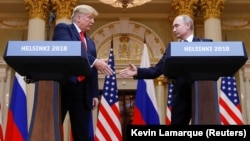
{"points": [[229, 103], [109, 122], [169, 103]]}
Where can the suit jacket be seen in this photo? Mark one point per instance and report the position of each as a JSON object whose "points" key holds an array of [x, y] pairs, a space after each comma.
{"points": [[68, 32], [182, 92], [157, 70]]}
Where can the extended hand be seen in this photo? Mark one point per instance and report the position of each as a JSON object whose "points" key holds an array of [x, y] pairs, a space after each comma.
{"points": [[102, 66], [129, 71]]}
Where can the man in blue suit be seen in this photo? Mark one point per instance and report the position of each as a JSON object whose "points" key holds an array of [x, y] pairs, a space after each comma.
{"points": [[79, 97], [183, 28]]}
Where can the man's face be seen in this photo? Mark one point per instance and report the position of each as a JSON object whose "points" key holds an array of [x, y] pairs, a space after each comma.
{"points": [[180, 29], [85, 22]]}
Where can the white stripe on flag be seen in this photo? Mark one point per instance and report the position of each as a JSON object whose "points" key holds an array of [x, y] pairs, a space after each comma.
{"points": [[149, 83]]}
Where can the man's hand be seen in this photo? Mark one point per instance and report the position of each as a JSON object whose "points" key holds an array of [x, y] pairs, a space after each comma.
{"points": [[95, 103], [102, 66], [130, 71]]}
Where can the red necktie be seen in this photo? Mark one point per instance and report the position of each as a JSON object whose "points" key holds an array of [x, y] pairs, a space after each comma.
{"points": [[83, 39], [82, 77]]}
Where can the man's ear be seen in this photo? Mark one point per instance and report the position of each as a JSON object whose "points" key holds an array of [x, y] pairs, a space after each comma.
{"points": [[78, 18], [188, 25]]}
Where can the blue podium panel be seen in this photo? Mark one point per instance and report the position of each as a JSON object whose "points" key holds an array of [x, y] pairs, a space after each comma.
{"points": [[204, 60], [47, 60]]}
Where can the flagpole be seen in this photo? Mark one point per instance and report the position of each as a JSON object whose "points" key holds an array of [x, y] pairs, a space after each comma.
{"points": [[145, 109], [108, 122]]}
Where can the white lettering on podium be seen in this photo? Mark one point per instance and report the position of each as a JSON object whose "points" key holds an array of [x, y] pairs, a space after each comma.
{"points": [[206, 48], [44, 48], [59, 48], [198, 48], [221, 48], [35, 48]]}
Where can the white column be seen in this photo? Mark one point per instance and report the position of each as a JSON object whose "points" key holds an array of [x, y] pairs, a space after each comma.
{"points": [[213, 29], [36, 29], [245, 91], [241, 93], [36, 32], [161, 98], [246, 98], [4, 91]]}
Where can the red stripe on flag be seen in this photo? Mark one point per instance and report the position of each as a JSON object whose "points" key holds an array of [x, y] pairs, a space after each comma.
{"points": [[12, 129], [223, 120], [137, 118], [168, 115], [17, 121], [169, 104], [110, 119], [1, 129], [70, 135], [230, 111], [229, 103], [103, 131]]}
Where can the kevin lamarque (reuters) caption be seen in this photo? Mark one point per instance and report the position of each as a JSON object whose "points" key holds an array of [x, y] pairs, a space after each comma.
{"points": [[191, 132]]}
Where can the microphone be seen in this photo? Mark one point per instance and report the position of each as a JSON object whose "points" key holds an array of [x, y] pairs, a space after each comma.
{"points": [[29, 79], [52, 17]]}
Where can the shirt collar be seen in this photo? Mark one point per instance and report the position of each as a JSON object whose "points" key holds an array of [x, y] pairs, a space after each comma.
{"points": [[190, 38], [77, 28]]}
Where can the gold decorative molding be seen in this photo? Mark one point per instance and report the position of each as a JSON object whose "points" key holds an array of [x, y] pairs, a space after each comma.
{"points": [[187, 7], [124, 47], [161, 81], [37, 8], [63, 8], [128, 37], [236, 23], [212, 8], [13, 23]]}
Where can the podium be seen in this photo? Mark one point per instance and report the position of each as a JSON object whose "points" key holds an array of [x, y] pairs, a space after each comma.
{"points": [[45, 63], [204, 63]]}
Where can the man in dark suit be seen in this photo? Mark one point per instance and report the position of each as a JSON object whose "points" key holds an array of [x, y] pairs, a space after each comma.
{"points": [[79, 97], [182, 93]]}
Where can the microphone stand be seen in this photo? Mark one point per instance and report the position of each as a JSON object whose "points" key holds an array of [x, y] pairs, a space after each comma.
{"points": [[52, 17]]}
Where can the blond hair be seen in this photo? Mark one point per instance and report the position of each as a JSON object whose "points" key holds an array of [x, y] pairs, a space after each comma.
{"points": [[82, 10]]}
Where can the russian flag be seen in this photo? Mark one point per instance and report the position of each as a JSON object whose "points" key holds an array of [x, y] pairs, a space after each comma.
{"points": [[145, 110], [17, 123], [1, 129]]}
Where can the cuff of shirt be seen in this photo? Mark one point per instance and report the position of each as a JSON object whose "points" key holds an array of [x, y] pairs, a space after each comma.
{"points": [[92, 65], [135, 77]]}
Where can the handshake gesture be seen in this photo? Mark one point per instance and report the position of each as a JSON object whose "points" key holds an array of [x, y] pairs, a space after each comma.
{"points": [[130, 71]]}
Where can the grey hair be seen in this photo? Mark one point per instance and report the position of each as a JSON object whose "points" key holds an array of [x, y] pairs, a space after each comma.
{"points": [[188, 19], [83, 9]]}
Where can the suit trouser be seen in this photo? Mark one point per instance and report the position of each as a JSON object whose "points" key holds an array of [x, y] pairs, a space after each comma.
{"points": [[181, 102], [74, 102]]}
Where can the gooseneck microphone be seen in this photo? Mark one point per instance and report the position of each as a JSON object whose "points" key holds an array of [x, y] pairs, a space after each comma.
{"points": [[52, 17]]}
